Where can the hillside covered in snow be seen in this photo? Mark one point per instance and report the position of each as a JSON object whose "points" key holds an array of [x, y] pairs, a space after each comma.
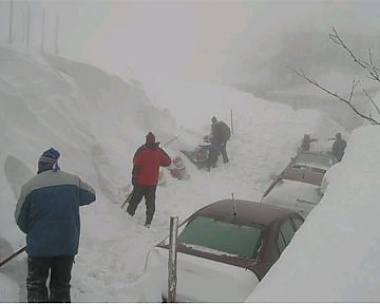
{"points": [[97, 121]]}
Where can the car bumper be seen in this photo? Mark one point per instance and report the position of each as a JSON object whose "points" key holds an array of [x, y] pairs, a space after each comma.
{"points": [[204, 280]]}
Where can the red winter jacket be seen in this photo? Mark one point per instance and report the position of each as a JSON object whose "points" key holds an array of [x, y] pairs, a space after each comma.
{"points": [[146, 164]]}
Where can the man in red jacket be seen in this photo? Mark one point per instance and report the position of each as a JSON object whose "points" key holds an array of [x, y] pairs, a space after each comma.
{"points": [[146, 165]]}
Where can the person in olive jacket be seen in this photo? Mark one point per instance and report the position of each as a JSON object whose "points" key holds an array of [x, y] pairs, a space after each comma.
{"points": [[146, 165], [220, 135], [339, 146], [47, 212]]}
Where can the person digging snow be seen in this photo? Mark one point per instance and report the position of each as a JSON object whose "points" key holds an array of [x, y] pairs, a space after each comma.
{"points": [[47, 211], [146, 165], [220, 134]]}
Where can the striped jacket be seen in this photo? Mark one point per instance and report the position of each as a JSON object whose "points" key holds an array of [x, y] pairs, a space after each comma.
{"points": [[48, 212]]}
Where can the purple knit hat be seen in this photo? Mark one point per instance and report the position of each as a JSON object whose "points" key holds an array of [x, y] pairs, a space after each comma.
{"points": [[49, 161]]}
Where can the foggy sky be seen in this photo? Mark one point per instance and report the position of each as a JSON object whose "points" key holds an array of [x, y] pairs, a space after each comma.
{"points": [[198, 39]]}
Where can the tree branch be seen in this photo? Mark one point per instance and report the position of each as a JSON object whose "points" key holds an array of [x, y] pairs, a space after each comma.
{"points": [[354, 85], [353, 108], [372, 101], [373, 71]]}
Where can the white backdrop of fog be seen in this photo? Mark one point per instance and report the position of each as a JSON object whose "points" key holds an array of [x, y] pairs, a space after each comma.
{"points": [[204, 40]]}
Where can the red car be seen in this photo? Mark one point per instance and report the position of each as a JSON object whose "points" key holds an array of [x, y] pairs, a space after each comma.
{"points": [[297, 187], [309, 167], [225, 249]]}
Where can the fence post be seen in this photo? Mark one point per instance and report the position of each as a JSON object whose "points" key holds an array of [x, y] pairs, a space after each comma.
{"points": [[232, 126], [43, 32], [10, 37], [172, 265]]}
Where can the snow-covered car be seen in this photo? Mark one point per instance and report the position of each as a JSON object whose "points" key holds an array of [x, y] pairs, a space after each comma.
{"points": [[225, 249], [309, 167], [299, 196]]}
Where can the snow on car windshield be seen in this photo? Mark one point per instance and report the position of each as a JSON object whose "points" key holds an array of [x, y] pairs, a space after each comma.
{"points": [[208, 250], [231, 238], [316, 160]]}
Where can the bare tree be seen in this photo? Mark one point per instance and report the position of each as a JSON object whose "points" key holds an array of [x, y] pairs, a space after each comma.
{"points": [[372, 72]]}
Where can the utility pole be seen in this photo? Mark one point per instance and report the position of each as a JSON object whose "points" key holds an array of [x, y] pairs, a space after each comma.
{"points": [[56, 35], [43, 31], [10, 21], [23, 29], [28, 25]]}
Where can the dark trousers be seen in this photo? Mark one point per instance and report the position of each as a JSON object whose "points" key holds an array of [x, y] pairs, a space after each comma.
{"points": [[213, 154], [60, 275], [223, 150], [140, 191]]}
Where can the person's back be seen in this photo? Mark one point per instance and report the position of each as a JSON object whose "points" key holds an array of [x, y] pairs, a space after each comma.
{"points": [[305, 146], [339, 147], [221, 133], [145, 173], [147, 161], [225, 132], [54, 199], [48, 212]]}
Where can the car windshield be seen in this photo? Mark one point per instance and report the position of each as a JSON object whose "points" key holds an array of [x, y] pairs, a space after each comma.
{"points": [[318, 160], [226, 237]]}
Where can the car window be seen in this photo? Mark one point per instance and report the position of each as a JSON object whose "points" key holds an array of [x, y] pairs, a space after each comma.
{"points": [[297, 221], [222, 236], [285, 235], [281, 242], [324, 160], [287, 230]]}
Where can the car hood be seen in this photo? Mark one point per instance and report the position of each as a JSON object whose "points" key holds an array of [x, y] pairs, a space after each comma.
{"points": [[204, 280]]}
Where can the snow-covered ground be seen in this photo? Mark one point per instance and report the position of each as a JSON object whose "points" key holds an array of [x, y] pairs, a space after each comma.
{"points": [[97, 121]]}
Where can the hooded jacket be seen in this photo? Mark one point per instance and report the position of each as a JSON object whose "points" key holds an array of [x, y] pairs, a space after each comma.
{"points": [[48, 212], [146, 164]]}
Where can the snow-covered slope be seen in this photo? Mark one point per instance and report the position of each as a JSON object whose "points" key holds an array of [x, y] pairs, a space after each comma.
{"points": [[97, 121]]}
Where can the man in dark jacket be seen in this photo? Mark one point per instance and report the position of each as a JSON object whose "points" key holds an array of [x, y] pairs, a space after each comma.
{"points": [[339, 146], [220, 133], [48, 212], [146, 165]]}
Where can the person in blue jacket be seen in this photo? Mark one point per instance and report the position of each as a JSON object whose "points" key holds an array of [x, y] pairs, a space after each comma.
{"points": [[47, 212]]}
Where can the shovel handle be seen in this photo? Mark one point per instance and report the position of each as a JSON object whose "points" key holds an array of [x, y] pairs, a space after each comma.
{"points": [[13, 255]]}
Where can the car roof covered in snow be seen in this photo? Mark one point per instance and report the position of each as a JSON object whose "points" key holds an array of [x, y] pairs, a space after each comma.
{"points": [[315, 159], [246, 211]]}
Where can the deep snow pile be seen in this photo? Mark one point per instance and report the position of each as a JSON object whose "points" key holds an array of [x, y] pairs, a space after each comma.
{"points": [[335, 256], [97, 121]]}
